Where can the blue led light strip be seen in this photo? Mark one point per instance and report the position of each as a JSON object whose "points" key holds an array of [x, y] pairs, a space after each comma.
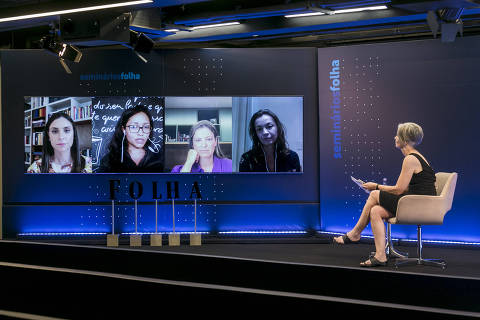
{"points": [[413, 240], [445, 242], [61, 233], [146, 233], [181, 232], [262, 232]]}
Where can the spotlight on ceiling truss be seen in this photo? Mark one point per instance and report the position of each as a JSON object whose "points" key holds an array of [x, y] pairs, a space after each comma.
{"points": [[140, 43], [63, 51]]}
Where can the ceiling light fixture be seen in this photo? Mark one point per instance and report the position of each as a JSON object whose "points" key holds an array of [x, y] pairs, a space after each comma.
{"points": [[307, 14], [304, 14], [215, 25], [60, 12], [360, 9]]}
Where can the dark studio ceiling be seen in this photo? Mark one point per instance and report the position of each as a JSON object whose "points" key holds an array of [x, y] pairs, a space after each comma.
{"points": [[174, 23]]}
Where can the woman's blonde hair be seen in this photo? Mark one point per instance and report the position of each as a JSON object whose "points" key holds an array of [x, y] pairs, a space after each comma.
{"points": [[410, 132]]}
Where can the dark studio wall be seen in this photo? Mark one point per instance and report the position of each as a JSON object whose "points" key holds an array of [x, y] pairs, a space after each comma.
{"points": [[427, 82], [80, 202]]}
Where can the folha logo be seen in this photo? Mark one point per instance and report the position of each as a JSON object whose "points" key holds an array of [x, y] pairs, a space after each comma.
{"points": [[110, 76]]}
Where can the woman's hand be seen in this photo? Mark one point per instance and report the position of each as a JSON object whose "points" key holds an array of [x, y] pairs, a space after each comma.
{"points": [[370, 186], [192, 157]]}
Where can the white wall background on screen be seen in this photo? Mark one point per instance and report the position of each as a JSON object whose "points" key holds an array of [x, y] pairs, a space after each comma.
{"points": [[241, 113], [225, 116], [361, 126]]}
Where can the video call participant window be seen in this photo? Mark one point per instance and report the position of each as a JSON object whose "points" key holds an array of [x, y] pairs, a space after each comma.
{"points": [[128, 134], [58, 134], [267, 134], [198, 134]]}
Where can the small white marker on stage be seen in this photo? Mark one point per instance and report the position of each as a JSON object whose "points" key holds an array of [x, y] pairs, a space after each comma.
{"points": [[173, 238], [156, 239], [135, 239], [112, 239], [195, 238]]}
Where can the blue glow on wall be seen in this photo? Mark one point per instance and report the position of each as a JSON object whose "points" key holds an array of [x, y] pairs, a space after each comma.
{"points": [[386, 84], [210, 218]]}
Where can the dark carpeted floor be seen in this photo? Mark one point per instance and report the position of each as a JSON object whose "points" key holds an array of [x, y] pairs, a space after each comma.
{"points": [[461, 262], [309, 266]]}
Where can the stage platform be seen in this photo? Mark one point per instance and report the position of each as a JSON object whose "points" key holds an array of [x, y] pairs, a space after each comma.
{"points": [[73, 279]]}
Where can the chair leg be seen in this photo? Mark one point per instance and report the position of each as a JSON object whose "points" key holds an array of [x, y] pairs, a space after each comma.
{"points": [[389, 249], [419, 260], [434, 263]]}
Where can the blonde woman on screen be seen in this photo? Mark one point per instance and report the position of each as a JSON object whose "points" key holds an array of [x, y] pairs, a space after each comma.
{"points": [[204, 154]]}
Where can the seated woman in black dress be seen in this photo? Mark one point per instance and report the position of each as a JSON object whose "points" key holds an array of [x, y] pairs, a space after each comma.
{"points": [[131, 148], [416, 177], [270, 151]]}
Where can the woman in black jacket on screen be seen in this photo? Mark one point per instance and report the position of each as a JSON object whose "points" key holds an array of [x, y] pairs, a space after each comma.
{"points": [[270, 151]]}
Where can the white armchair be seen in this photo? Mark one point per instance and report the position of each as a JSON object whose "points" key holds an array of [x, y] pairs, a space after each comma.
{"points": [[423, 210]]}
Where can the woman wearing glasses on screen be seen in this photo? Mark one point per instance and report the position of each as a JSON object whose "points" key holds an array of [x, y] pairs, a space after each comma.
{"points": [[131, 148], [204, 154], [270, 151], [61, 153]]}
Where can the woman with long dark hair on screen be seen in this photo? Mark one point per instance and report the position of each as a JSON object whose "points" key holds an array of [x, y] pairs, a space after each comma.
{"points": [[61, 152], [131, 148], [204, 154], [416, 177], [270, 151]]}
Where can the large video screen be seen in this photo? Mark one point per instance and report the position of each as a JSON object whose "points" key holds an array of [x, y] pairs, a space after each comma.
{"points": [[119, 134]]}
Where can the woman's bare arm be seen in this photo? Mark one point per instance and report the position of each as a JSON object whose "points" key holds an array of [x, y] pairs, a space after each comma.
{"points": [[408, 168]]}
